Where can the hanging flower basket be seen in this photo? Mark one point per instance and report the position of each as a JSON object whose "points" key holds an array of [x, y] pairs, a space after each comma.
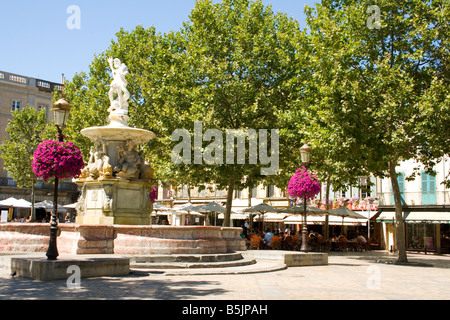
{"points": [[303, 184], [54, 159]]}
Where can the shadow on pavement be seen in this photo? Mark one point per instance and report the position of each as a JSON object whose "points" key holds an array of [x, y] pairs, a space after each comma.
{"points": [[109, 288], [414, 259]]}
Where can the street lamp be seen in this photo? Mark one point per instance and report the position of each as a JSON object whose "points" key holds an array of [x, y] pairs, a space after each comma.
{"points": [[61, 111], [305, 153]]}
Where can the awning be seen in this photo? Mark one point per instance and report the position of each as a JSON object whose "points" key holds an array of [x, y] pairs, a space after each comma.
{"points": [[234, 216], [386, 216], [320, 220], [436, 217], [271, 217]]}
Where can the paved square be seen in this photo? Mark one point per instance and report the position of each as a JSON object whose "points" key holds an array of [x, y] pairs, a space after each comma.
{"points": [[349, 276]]}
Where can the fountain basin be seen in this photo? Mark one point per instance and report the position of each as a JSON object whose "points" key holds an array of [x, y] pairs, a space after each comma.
{"points": [[118, 133], [74, 239]]}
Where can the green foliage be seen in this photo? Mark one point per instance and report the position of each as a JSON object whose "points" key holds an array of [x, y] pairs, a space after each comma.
{"points": [[232, 66], [375, 94], [26, 131]]}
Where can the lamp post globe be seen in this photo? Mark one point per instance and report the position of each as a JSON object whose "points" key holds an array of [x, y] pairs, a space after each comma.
{"points": [[305, 153]]}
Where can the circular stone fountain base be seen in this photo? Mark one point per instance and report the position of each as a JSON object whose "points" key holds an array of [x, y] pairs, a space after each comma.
{"points": [[76, 239]]}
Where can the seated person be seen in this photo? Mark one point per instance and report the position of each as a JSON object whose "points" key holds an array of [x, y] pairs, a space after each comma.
{"points": [[268, 237], [361, 239]]}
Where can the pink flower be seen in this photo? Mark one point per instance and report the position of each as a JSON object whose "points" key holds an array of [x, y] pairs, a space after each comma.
{"points": [[303, 184], [57, 159], [153, 195]]}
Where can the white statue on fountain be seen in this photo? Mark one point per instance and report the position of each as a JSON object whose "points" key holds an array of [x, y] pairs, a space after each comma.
{"points": [[119, 105]]}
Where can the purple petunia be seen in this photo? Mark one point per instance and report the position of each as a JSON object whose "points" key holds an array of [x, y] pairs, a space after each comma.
{"points": [[57, 159], [303, 184]]}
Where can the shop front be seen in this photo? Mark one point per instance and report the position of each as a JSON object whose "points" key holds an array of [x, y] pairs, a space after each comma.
{"points": [[426, 231]]}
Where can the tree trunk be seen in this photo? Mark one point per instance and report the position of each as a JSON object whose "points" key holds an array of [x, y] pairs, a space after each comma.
{"points": [[189, 192], [33, 197], [327, 207], [399, 224], [226, 221]]}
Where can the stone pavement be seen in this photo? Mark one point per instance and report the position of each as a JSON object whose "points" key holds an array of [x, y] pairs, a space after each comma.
{"points": [[348, 276]]}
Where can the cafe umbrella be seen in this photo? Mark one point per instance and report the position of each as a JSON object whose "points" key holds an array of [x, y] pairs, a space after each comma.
{"points": [[304, 210], [262, 209], [13, 202], [345, 212], [188, 208], [210, 207], [299, 209]]}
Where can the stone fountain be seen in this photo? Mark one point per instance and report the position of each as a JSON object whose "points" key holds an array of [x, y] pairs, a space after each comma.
{"points": [[116, 183], [114, 211]]}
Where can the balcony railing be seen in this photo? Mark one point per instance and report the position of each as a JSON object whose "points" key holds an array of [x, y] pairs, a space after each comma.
{"points": [[48, 86], [11, 77], [416, 198], [40, 84]]}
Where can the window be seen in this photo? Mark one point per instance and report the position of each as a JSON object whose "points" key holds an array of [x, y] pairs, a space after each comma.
{"points": [[365, 187], [16, 105], [238, 194], [366, 192], [421, 236], [254, 192], [428, 188], [401, 186], [270, 191], [43, 107]]}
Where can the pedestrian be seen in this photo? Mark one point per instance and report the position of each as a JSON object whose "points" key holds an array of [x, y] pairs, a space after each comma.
{"points": [[245, 227]]}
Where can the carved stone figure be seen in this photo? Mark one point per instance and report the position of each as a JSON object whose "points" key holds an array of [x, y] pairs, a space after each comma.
{"points": [[107, 171], [148, 172], [129, 162], [119, 105]]}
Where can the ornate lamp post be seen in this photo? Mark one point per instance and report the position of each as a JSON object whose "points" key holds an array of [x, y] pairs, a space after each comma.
{"points": [[61, 111], [305, 153]]}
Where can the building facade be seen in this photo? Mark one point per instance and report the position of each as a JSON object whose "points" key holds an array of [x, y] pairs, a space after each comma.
{"points": [[17, 92], [426, 208]]}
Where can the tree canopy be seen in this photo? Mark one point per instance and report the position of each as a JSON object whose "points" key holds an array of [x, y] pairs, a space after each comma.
{"points": [[379, 95]]}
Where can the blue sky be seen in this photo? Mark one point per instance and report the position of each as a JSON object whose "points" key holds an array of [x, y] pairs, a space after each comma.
{"points": [[36, 41]]}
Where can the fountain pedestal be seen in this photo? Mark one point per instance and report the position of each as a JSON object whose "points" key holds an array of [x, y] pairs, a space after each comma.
{"points": [[112, 202], [116, 183]]}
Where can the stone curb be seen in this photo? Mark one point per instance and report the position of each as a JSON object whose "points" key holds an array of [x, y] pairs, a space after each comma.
{"points": [[258, 267]]}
